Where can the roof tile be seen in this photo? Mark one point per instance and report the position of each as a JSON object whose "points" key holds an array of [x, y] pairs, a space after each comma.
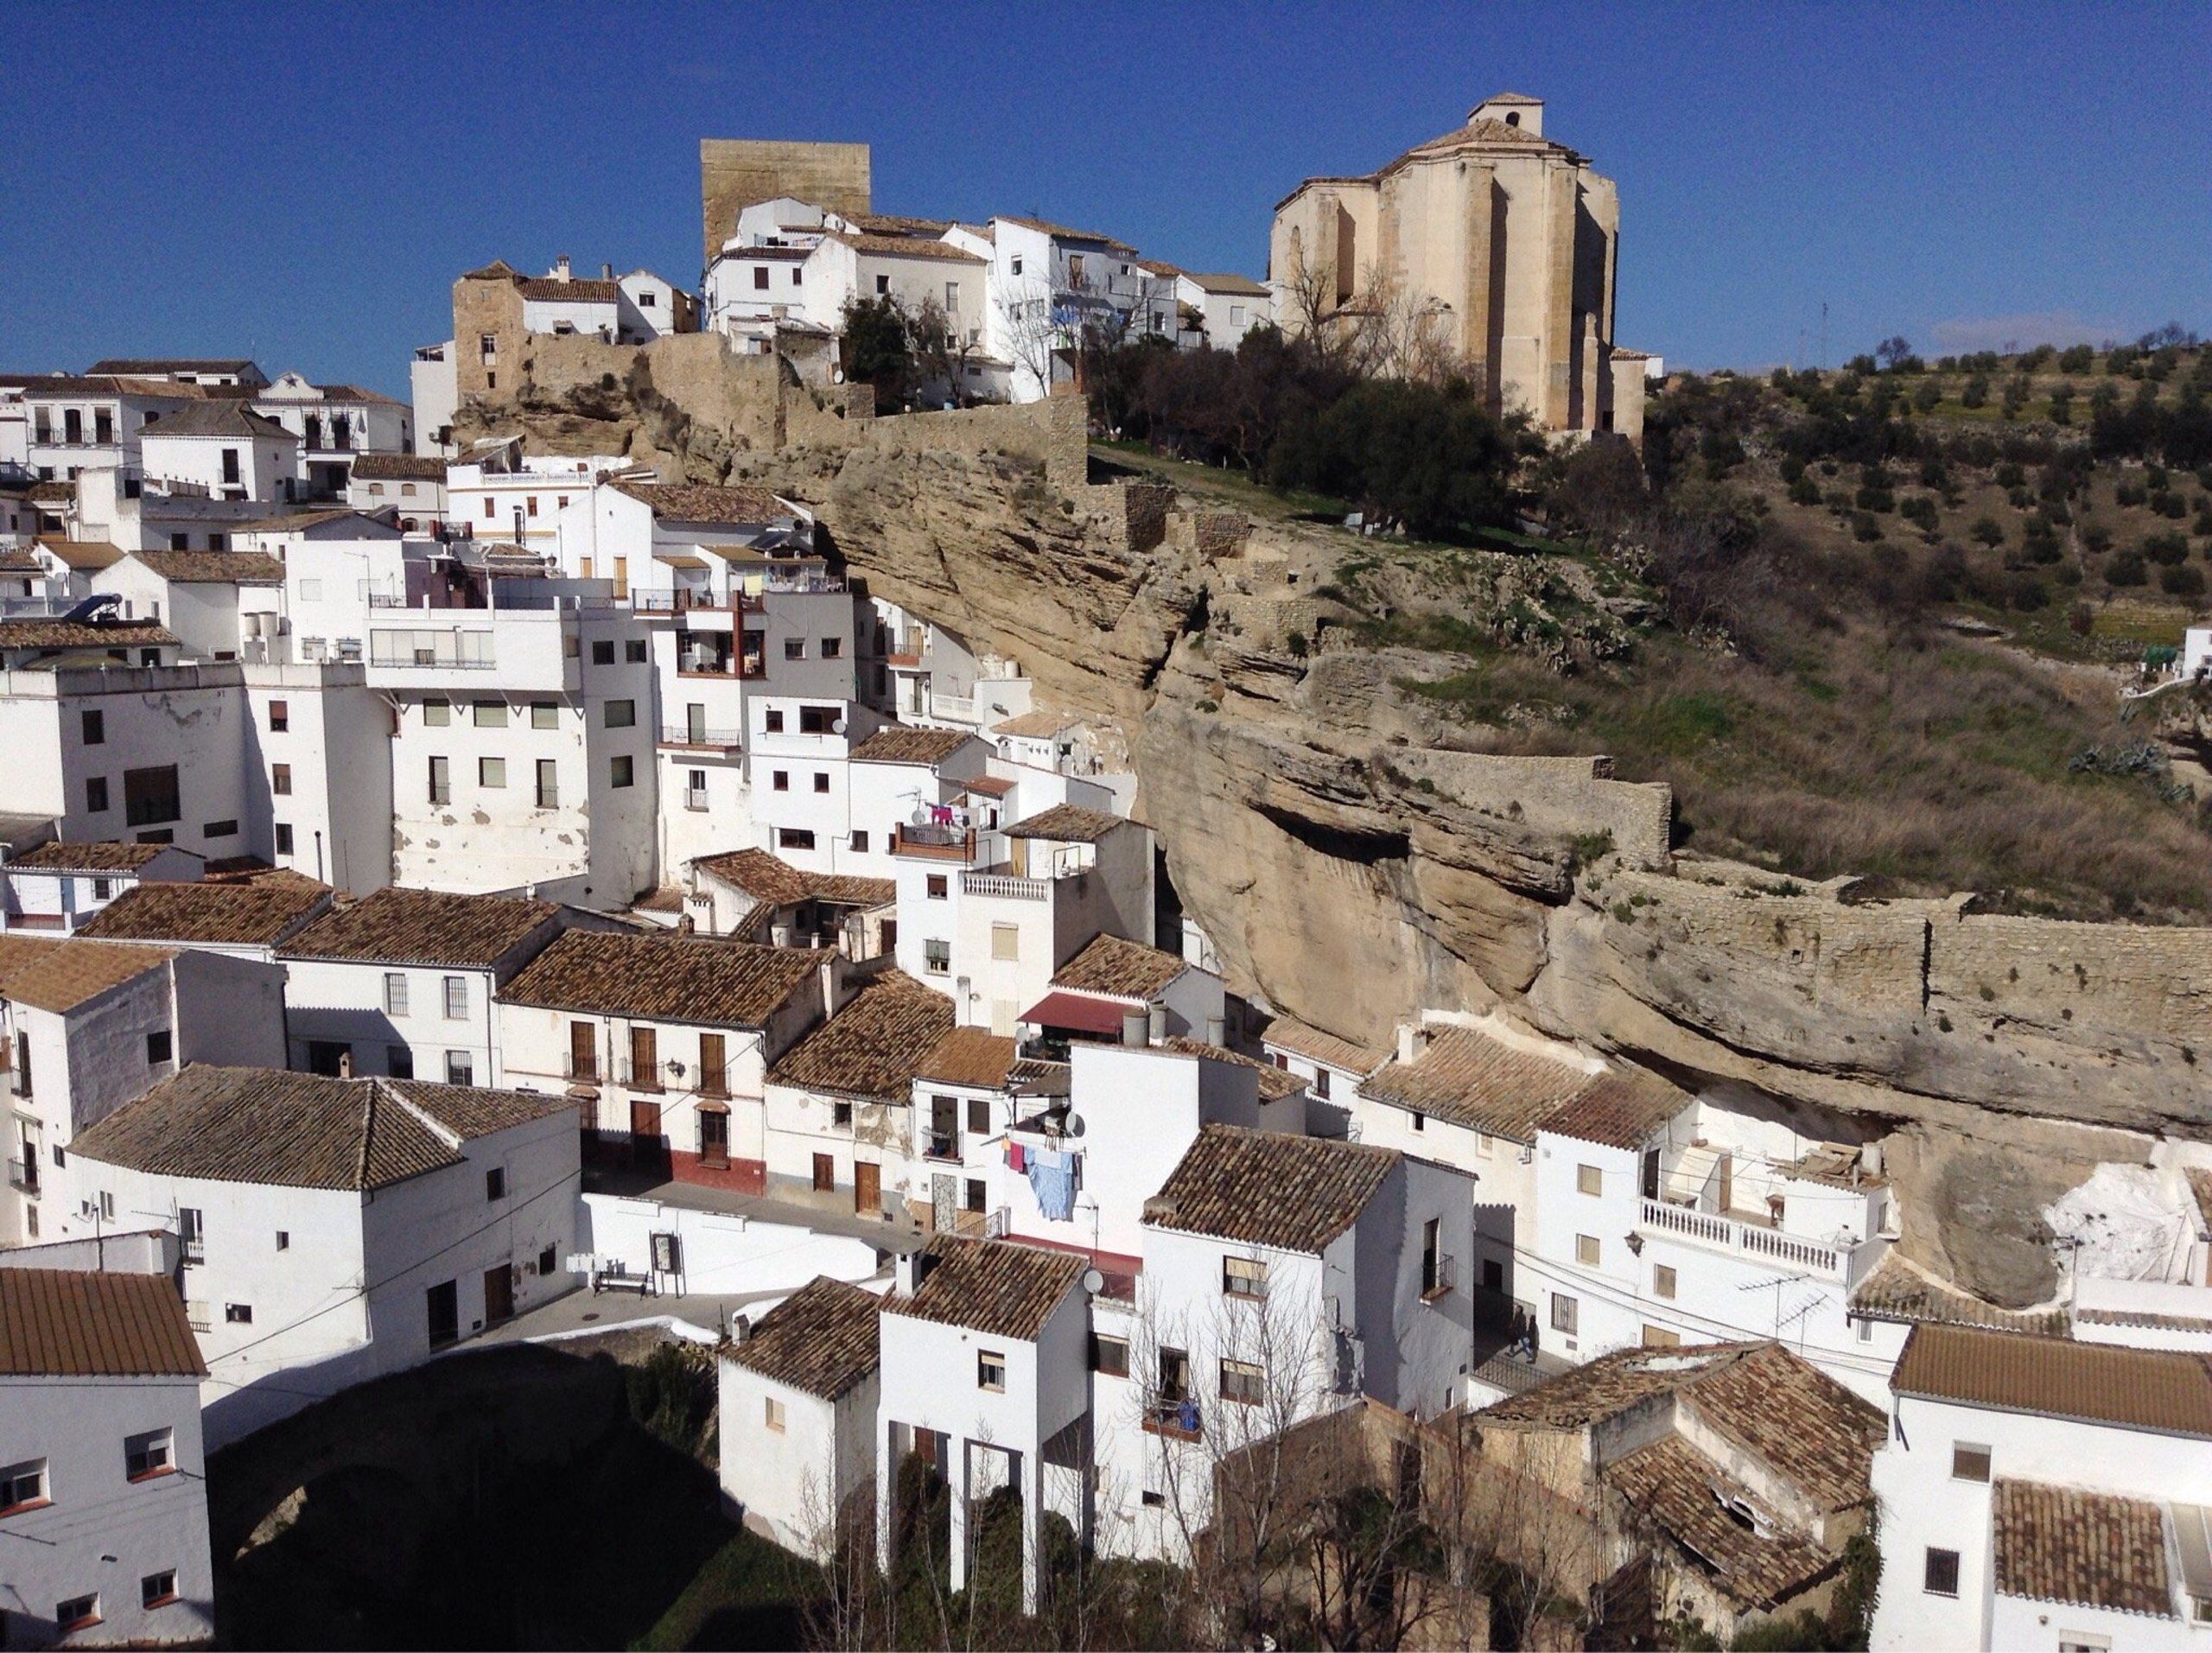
{"points": [[1290, 1193], [74, 1323], [663, 978], [822, 1338]]}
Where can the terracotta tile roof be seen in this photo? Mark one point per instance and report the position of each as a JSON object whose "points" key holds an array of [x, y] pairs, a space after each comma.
{"points": [[971, 1056], [768, 877], [1035, 725], [16, 559], [1290, 1193], [1620, 1107], [1302, 1039], [580, 290], [396, 925], [2091, 1549], [1470, 1079], [663, 978], [255, 914], [215, 568], [72, 1323], [2165, 1391], [58, 975], [83, 635], [989, 786], [1067, 823], [1604, 1387], [1791, 1415], [497, 269], [50, 493], [663, 898], [101, 855], [1679, 1490], [219, 416], [1120, 970], [1059, 231], [897, 743], [399, 467], [302, 1130], [88, 554], [999, 1287], [1898, 1290], [137, 366], [901, 247], [1229, 280], [1274, 1083], [821, 1339], [872, 1048], [298, 522], [896, 224], [687, 502]]}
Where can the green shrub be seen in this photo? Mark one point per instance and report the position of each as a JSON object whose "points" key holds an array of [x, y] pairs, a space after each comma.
{"points": [[2166, 550], [2075, 359], [1988, 530], [2125, 570], [2187, 581]]}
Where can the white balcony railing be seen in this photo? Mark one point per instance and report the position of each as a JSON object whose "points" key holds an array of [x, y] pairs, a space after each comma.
{"points": [[1768, 1245], [999, 884]]}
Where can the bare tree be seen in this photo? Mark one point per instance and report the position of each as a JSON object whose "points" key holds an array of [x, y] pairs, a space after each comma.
{"points": [[1033, 338]]}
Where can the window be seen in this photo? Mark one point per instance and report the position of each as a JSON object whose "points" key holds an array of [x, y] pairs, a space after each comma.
{"points": [[1435, 1266], [990, 1371], [158, 1589], [633, 650], [310, 591], [774, 1415], [151, 1453], [456, 997], [283, 1240], [794, 648], [529, 506], [238, 1313], [150, 796], [1866, 1330], [832, 648], [399, 1061], [621, 713], [771, 721], [1969, 1463], [78, 1612], [280, 779], [437, 713], [491, 773], [1017, 263], [821, 780], [840, 1114], [1588, 1179], [549, 783], [795, 838], [96, 794], [490, 714], [159, 1047], [1659, 1337], [95, 728], [1486, 1145], [1493, 1274], [545, 714], [1321, 1082], [937, 958], [603, 651], [1940, 1575], [936, 887], [394, 993], [441, 780], [1563, 1313], [882, 285], [760, 278], [1006, 941], [818, 720], [280, 716], [23, 1485], [979, 1116], [495, 1183], [460, 1068], [860, 843], [622, 770], [102, 888], [546, 1260], [1236, 315], [1243, 1382], [1662, 1279], [284, 838], [219, 829], [1586, 1249], [1110, 1355], [1243, 1277]]}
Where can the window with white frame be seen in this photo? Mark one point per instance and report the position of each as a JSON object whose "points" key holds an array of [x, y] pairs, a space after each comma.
{"points": [[991, 1370], [151, 1453], [22, 1483], [1243, 1382], [1243, 1277], [773, 1415]]}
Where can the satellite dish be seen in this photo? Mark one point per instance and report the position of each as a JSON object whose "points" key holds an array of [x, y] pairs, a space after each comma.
{"points": [[837, 728], [1075, 1124], [1093, 1282]]}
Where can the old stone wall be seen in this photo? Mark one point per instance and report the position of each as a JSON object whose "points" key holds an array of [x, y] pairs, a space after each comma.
{"points": [[734, 172], [481, 309], [1573, 797]]}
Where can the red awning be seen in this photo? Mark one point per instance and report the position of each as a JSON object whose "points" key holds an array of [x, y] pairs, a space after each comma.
{"points": [[1079, 1012]]}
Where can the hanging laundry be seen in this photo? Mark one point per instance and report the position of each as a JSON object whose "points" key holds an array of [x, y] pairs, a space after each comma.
{"points": [[1052, 1181], [1016, 1157]]}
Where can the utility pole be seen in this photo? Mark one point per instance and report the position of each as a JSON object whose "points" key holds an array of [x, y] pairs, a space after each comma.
{"points": [[1824, 335]]}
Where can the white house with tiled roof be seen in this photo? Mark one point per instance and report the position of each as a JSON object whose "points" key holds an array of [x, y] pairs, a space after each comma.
{"points": [[2040, 1493], [336, 1229], [220, 449], [56, 886], [103, 1472]]}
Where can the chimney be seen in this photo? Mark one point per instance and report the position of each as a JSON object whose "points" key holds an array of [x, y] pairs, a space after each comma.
{"points": [[1155, 1019], [561, 268], [606, 272], [911, 1270], [345, 1064], [1410, 1041], [1136, 1026], [1217, 1030]]}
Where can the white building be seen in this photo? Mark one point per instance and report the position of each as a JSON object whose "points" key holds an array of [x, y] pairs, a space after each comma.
{"points": [[337, 1229], [755, 896], [333, 426], [1216, 309], [798, 1395], [103, 1479], [234, 373], [221, 450], [1098, 993], [402, 983], [412, 486], [94, 422], [248, 916], [1048, 286], [433, 386], [57, 887], [220, 604], [1333, 1070], [2037, 1493]]}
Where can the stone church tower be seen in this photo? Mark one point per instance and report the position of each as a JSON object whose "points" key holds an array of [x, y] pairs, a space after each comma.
{"points": [[1502, 241]]}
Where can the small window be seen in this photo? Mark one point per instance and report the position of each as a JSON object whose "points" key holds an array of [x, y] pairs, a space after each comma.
{"points": [[780, 780], [794, 838], [832, 648], [491, 773], [22, 1483], [495, 1183], [157, 1589], [602, 650], [95, 728], [490, 714], [1006, 941], [1586, 1249], [771, 721], [460, 1068], [545, 714], [622, 770], [78, 1612], [1321, 1082], [102, 888], [149, 1454], [280, 716], [821, 780], [1864, 1328], [774, 1415], [280, 779], [399, 1061], [1420, 1120], [1243, 1382], [633, 651], [284, 838], [1564, 1316], [238, 1313], [394, 993], [1969, 1463], [882, 285], [1588, 1179], [1662, 1279], [979, 1116], [1243, 1277], [96, 795], [760, 278], [1017, 263], [1940, 1575], [937, 958], [1108, 1355], [284, 1239], [794, 648], [936, 887], [621, 713], [159, 1047], [990, 1371], [456, 997], [860, 843], [219, 829], [437, 713], [1493, 1274], [972, 1197]]}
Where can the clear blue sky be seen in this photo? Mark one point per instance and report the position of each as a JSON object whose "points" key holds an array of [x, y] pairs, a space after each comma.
{"points": [[302, 183]]}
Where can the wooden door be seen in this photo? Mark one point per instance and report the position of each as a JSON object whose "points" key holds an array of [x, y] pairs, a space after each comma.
{"points": [[825, 1174], [647, 1151], [1727, 1182], [714, 1137], [645, 1059], [868, 1188], [499, 1293], [584, 1051]]}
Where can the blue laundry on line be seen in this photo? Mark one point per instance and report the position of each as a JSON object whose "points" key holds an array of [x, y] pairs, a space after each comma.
{"points": [[1052, 1179]]}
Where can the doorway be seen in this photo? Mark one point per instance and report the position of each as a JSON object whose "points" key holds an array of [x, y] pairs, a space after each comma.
{"points": [[868, 1188], [714, 1138], [499, 1293], [648, 1152], [445, 1313]]}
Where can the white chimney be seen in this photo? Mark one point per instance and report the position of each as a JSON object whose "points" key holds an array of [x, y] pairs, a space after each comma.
{"points": [[1217, 1030], [561, 268], [1136, 1027], [1410, 1041], [1156, 1023], [606, 272], [345, 1064]]}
